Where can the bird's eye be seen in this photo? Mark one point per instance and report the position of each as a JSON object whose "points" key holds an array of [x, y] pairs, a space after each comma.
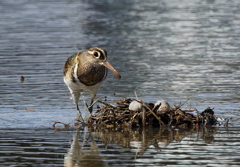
{"points": [[96, 54]]}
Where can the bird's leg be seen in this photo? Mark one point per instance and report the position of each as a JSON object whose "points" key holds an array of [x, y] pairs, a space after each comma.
{"points": [[76, 96], [79, 114], [77, 107], [91, 106], [93, 95]]}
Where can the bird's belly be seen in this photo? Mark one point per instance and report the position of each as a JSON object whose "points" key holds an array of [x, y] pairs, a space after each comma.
{"points": [[79, 87]]}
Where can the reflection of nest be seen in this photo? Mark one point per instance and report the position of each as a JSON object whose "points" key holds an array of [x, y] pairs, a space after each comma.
{"points": [[149, 115]]}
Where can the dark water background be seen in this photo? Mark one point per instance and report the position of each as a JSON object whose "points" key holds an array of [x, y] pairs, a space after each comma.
{"points": [[163, 49]]}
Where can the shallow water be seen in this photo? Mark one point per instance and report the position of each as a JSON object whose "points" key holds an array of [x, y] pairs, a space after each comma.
{"points": [[163, 50], [119, 147]]}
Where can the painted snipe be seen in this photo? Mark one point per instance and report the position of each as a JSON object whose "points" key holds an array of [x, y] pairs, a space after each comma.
{"points": [[86, 71]]}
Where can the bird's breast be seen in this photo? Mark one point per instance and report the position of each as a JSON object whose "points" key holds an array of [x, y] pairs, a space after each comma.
{"points": [[90, 75]]}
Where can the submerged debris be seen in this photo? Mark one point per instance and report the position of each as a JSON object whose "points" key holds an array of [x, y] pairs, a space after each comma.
{"points": [[66, 126], [136, 113], [22, 79]]}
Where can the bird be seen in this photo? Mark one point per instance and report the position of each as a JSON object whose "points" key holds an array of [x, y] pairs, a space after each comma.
{"points": [[86, 71]]}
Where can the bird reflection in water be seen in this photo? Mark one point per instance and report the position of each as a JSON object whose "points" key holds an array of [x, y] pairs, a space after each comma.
{"points": [[80, 155], [139, 141]]}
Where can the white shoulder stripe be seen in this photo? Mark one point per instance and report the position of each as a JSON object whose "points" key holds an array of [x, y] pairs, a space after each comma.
{"points": [[75, 73]]}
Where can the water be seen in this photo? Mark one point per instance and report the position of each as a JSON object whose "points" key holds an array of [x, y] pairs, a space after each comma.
{"points": [[163, 50], [119, 147]]}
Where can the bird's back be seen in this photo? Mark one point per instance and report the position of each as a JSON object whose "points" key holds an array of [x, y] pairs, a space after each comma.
{"points": [[69, 65]]}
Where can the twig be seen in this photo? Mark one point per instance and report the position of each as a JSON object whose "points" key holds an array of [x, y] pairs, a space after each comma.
{"points": [[135, 94], [88, 107], [143, 117], [183, 103], [159, 119], [66, 126], [106, 104]]}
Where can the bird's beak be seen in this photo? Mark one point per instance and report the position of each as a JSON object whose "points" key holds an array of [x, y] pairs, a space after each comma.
{"points": [[110, 67]]}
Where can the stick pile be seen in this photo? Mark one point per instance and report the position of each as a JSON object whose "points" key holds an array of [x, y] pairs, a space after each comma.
{"points": [[149, 114]]}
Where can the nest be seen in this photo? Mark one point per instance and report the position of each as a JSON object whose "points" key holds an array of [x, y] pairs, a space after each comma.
{"points": [[149, 115]]}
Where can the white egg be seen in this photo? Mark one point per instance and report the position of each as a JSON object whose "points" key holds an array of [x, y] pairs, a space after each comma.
{"points": [[135, 106]]}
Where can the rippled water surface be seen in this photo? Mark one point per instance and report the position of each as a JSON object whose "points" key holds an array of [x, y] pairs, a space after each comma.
{"points": [[163, 50], [89, 147]]}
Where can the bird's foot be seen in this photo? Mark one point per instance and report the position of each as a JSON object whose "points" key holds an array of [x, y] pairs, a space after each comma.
{"points": [[79, 117]]}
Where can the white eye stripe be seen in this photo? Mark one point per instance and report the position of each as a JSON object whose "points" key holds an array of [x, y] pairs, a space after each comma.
{"points": [[97, 54]]}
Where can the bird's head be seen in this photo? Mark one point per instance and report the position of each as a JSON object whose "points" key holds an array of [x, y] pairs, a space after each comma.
{"points": [[99, 56]]}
